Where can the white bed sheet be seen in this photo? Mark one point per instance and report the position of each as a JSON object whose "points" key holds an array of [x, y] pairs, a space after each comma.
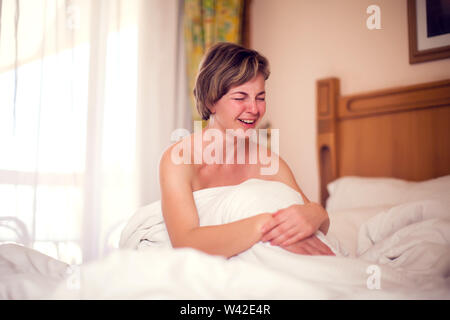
{"points": [[28, 274], [391, 253]]}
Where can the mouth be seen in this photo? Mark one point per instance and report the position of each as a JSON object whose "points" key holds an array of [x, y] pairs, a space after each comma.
{"points": [[248, 123]]}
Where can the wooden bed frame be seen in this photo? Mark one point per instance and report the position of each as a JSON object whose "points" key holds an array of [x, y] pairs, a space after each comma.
{"points": [[401, 132]]}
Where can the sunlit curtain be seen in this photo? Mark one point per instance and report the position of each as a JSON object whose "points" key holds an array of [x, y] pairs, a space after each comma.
{"points": [[89, 93], [205, 23]]}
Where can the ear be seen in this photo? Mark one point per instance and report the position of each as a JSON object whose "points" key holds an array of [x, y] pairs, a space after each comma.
{"points": [[212, 109]]}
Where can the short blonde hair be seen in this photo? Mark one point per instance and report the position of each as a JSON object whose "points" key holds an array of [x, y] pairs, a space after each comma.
{"points": [[225, 65]]}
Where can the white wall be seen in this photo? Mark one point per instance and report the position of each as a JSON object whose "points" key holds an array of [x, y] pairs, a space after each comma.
{"points": [[306, 40]]}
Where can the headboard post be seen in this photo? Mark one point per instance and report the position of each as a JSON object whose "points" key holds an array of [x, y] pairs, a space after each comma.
{"points": [[328, 91]]}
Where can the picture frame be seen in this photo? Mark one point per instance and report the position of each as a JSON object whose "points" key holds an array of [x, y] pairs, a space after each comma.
{"points": [[422, 15]]}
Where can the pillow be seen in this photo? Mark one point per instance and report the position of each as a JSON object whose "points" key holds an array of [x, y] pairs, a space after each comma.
{"points": [[434, 189], [361, 192]]}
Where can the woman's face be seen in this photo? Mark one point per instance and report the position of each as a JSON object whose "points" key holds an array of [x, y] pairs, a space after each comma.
{"points": [[241, 107]]}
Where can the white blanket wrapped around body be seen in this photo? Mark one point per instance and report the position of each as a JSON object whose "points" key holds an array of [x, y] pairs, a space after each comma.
{"points": [[403, 254], [215, 206]]}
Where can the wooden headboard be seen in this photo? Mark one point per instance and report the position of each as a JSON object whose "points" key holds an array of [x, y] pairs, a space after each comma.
{"points": [[401, 132]]}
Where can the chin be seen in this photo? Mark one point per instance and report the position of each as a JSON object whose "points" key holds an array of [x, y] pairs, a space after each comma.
{"points": [[240, 131]]}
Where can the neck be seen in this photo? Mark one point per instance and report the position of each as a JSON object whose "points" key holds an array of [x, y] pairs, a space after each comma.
{"points": [[234, 149]]}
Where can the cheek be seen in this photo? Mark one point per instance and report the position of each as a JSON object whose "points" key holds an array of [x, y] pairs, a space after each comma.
{"points": [[262, 108], [236, 108], [228, 110]]}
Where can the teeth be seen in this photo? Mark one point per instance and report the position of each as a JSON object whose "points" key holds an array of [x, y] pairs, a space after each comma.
{"points": [[247, 121]]}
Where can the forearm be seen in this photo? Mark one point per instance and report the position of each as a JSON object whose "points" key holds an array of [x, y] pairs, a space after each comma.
{"points": [[322, 214], [325, 226], [225, 240]]}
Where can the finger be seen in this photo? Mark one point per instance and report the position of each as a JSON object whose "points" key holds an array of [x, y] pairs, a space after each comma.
{"points": [[317, 246], [278, 240], [275, 232], [302, 235], [308, 250], [322, 246], [283, 237], [296, 248], [269, 235], [272, 223], [314, 251], [302, 246], [301, 251], [289, 237], [282, 213], [299, 237]]}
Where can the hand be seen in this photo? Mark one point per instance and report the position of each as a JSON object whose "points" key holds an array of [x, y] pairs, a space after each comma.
{"points": [[261, 220], [294, 223], [310, 246]]}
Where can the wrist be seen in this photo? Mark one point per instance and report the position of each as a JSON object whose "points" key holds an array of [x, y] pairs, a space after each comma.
{"points": [[261, 220], [325, 220]]}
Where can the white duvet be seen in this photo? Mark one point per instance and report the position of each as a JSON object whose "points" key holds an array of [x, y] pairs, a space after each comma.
{"points": [[215, 206], [403, 253]]}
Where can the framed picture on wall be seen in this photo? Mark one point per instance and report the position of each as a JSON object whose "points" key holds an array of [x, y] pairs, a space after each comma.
{"points": [[428, 30]]}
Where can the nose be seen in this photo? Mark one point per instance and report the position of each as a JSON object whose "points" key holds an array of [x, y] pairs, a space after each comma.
{"points": [[252, 108]]}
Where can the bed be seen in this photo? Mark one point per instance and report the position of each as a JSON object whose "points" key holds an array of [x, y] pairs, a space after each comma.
{"points": [[399, 132], [384, 160], [393, 142]]}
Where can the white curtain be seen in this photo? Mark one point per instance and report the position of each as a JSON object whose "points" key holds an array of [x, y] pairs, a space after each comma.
{"points": [[89, 94]]}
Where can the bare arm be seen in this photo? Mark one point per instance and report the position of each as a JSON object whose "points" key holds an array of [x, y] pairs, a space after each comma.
{"points": [[317, 212], [182, 221]]}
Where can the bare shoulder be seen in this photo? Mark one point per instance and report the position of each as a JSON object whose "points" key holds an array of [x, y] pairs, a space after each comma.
{"points": [[286, 175], [175, 178], [173, 167]]}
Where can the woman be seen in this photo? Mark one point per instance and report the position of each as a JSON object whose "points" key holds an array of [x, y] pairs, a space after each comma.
{"points": [[230, 93]]}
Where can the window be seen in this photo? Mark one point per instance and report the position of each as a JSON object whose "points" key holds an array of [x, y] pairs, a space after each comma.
{"points": [[42, 138], [67, 125]]}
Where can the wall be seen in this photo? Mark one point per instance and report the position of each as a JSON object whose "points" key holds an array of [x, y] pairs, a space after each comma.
{"points": [[307, 40]]}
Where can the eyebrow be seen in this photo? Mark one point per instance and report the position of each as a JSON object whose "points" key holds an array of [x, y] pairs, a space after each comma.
{"points": [[245, 93]]}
